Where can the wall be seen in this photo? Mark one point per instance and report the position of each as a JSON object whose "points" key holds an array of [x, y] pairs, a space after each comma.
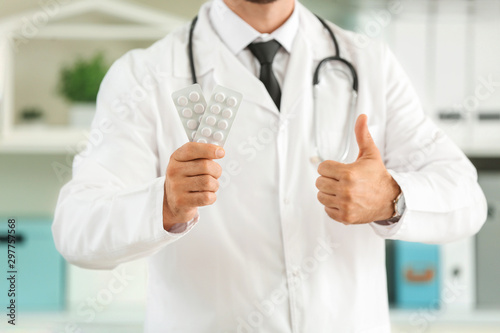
{"points": [[186, 8], [28, 184]]}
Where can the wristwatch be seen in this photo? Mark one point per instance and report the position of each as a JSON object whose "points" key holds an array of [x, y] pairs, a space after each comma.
{"points": [[399, 207]]}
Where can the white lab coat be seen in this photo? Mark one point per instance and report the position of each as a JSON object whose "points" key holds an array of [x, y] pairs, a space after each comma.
{"points": [[265, 257]]}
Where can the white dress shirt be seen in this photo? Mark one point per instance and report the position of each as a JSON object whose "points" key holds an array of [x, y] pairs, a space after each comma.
{"points": [[241, 34]]}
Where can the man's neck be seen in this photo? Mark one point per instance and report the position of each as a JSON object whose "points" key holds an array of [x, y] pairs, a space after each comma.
{"points": [[265, 18]]}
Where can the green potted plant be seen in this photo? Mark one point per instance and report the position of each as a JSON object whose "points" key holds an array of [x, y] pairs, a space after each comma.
{"points": [[79, 84]]}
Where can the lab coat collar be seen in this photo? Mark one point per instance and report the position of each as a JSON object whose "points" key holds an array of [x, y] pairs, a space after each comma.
{"points": [[316, 35], [207, 42], [241, 34], [228, 70]]}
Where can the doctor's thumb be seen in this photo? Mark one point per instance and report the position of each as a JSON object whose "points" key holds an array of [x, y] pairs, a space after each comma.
{"points": [[367, 147]]}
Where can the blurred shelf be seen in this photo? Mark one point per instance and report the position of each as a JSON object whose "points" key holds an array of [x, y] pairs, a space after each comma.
{"points": [[131, 318], [43, 140], [490, 317], [485, 163], [482, 152], [475, 139], [102, 32], [114, 319]]}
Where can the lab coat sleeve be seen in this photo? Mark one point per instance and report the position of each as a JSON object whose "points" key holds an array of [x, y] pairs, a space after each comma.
{"points": [[443, 199], [112, 209]]}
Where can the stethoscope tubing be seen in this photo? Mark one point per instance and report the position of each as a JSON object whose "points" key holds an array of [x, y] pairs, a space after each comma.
{"points": [[316, 80]]}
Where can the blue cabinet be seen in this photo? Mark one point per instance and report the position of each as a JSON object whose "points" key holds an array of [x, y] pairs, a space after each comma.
{"points": [[416, 269], [40, 278]]}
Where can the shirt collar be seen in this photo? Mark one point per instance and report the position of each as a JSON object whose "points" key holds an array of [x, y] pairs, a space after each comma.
{"points": [[237, 34]]}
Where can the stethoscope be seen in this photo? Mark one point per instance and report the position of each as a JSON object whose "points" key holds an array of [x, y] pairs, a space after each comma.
{"points": [[351, 73]]}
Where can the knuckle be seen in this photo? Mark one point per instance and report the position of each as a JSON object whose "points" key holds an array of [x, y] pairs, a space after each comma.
{"points": [[349, 208], [348, 195], [348, 216], [171, 168], [206, 198], [205, 181], [343, 216], [215, 185], [170, 173], [324, 167], [349, 175], [321, 168], [329, 164], [187, 149], [205, 165], [320, 197], [319, 183], [212, 198], [217, 171]]}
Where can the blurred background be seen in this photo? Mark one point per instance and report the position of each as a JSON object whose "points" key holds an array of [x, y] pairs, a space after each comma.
{"points": [[53, 55]]}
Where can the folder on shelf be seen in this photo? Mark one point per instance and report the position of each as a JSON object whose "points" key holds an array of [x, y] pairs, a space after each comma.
{"points": [[417, 271]]}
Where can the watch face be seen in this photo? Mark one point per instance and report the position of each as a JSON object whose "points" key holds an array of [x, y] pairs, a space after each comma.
{"points": [[401, 205]]}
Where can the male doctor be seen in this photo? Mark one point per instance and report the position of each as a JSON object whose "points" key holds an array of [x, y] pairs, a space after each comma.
{"points": [[256, 237]]}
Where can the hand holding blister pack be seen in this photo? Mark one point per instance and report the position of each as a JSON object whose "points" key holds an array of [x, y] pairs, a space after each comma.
{"points": [[214, 123]]}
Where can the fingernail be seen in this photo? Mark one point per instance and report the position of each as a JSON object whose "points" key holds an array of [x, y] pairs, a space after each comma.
{"points": [[220, 153]]}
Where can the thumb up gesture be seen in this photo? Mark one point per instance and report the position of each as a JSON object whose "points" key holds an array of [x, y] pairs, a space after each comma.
{"points": [[360, 192]]}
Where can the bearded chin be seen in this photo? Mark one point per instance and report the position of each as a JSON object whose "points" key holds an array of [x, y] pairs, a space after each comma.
{"points": [[262, 2]]}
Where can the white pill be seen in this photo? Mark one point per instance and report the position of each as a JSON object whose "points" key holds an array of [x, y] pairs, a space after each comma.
{"points": [[211, 120], [187, 113], [193, 134], [218, 136], [200, 118], [191, 124], [182, 101], [231, 101], [202, 141], [206, 131], [194, 96], [227, 113], [220, 97], [223, 124], [215, 109], [199, 108]]}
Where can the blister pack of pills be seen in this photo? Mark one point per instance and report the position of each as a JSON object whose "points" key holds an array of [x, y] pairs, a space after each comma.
{"points": [[207, 124], [219, 117], [191, 106]]}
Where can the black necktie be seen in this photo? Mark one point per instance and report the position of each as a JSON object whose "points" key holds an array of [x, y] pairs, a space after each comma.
{"points": [[265, 52]]}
